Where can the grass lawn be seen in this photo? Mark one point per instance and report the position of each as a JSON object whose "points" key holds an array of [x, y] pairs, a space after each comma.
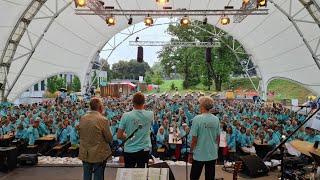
{"points": [[283, 89]]}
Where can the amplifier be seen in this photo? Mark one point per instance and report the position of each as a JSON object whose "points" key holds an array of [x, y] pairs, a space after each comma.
{"points": [[28, 159]]}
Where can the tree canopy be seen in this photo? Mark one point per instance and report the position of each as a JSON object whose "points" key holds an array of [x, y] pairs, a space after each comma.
{"points": [[129, 69], [191, 61]]}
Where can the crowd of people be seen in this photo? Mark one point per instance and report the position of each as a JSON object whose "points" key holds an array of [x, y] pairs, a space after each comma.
{"points": [[242, 123]]}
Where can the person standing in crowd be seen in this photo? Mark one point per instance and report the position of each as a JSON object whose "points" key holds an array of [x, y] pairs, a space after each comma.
{"points": [[136, 149], [205, 139], [95, 136]]}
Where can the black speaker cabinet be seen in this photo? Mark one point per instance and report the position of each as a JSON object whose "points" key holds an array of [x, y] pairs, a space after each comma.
{"points": [[8, 158], [253, 166], [208, 55], [140, 54]]}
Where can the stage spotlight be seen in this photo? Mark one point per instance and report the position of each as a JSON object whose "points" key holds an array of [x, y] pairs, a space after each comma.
{"points": [[162, 1], [148, 21], [205, 21], [80, 3], [130, 20], [224, 20], [245, 1], [110, 21], [261, 3], [185, 21]]}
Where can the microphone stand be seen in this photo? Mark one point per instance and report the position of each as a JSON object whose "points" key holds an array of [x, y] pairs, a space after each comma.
{"points": [[186, 153], [286, 139], [123, 142]]}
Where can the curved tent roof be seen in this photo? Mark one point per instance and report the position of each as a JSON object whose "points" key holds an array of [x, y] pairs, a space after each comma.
{"points": [[284, 43]]}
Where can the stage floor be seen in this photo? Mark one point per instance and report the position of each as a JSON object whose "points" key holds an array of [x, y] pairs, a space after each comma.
{"points": [[75, 173]]}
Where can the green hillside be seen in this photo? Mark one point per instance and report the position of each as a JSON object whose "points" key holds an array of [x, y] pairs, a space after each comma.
{"points": [[283, 89]]}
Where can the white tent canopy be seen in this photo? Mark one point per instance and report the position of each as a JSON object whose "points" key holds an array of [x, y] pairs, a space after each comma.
{"points": [[283, 44]]}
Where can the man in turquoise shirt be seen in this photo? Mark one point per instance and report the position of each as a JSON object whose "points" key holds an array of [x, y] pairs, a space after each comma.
{"points": [[33, 133], [136, 149], [205, 139]]}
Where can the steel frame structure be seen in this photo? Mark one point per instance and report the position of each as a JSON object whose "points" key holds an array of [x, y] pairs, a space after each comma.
{"points": [[250, 6], [33, 45], [175, 44], [13, 43], [217, 36], [171, 13], [9, 52]]}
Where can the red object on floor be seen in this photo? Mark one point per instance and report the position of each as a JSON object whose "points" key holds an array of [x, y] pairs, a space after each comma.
{"points": [[177, 151]]}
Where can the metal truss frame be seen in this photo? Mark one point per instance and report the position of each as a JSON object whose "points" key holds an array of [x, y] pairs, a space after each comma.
{"points": [[170, 12], [22, 26], [13, 43], [33, 45], [175, 43], [112, 45], [236, 50], [312, 7]]}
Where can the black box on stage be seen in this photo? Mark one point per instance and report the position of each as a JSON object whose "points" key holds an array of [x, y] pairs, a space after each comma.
{"points": [[253, 166], [28, 159], [8, 158]]}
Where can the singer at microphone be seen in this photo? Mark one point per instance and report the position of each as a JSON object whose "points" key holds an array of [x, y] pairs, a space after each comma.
{"points": [[137, 147]]}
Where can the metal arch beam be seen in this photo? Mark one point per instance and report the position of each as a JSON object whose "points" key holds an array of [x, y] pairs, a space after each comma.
{"points": [[234, 52], [14, 40], [291, 19], [88, 83], [34, 48]]}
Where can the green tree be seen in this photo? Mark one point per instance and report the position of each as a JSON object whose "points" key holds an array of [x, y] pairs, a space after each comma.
{"points": [[157, 78], [60, 83], [76, 84], [148, 77], [191, 62], [129, 69], [54, 83], [51, 84]]}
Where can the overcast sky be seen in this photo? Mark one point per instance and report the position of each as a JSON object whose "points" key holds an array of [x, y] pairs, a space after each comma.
{"points": [[126, 52]]}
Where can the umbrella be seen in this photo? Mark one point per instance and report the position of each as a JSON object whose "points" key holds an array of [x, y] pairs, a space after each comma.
{"points": [[63, 89]]}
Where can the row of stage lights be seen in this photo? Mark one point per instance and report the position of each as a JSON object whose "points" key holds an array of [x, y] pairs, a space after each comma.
{"points": [[185, 21]]}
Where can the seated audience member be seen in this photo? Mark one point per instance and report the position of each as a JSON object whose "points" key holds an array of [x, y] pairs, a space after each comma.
{"points": [[33, 133], [21, 133], [246, 141], [272, 138]]}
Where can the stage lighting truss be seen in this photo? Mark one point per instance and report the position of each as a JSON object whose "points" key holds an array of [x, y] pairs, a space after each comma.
{"points": [[247, 6], [171, 13], [214, 43]]}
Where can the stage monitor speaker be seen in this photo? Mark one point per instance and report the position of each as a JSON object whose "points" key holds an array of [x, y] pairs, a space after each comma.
{"points": [[208, 55], [253, 166], [140, 54]]}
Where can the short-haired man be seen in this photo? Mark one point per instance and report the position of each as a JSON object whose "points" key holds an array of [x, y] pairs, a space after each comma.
{"points": [[136, 149], [95, 136], [205, 139]]}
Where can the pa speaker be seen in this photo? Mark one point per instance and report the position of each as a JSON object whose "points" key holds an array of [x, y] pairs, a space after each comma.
{"points": [[253, 166], [140, 54], [208, 55]]}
